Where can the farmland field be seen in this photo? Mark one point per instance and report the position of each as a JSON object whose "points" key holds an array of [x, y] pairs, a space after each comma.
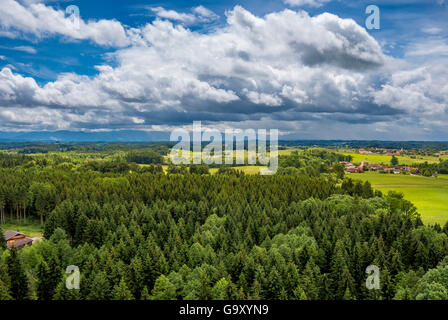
{"points": [[428, 194], [287, 151], [245, 169], [385, 159]]}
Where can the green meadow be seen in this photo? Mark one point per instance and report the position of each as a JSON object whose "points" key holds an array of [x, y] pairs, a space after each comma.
{"points": [[31, 228], [245, 169], [384, 159], [428, 194]]}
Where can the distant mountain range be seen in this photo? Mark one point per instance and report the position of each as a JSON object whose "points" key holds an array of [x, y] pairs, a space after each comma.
{"points": [[81, 136], [124, 136]]}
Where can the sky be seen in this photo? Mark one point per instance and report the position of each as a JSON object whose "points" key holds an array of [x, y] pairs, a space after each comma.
{"points": [[309, 68]]}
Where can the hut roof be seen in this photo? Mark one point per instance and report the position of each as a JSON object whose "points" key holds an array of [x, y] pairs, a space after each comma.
{"points": [[20, 243], [10, 233]]}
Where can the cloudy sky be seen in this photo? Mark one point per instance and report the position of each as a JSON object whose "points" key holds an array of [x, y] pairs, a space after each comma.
{"points": [[309, 68]]}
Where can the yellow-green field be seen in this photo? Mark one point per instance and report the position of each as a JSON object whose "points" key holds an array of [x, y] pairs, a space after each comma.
{"points": [[287, 151], [249, 169], [384, 159], [281, 152], [245, 169], [430, 195]]}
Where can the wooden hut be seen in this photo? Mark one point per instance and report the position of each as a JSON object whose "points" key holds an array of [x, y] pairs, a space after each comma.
{"points": [[16, 239]]}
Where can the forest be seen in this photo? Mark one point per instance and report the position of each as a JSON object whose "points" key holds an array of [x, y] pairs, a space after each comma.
{"points": [[138, 232], [428, 169]]}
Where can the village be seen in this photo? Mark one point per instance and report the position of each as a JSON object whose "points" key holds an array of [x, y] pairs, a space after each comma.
{"points": [[365, 166], [394, 167]]}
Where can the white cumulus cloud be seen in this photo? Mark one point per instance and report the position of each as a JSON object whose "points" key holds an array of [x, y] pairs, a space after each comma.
{"points": [[39, 20], [284, 67]]}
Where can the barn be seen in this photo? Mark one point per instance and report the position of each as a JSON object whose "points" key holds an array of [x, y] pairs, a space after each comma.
{"points": [[16, 239]]}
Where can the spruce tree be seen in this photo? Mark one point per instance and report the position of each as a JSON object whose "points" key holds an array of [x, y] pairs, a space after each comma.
{"points": [[163, 289], [43, 282], [145, 294], [2, 240], [4, 292], [309, 282], [99, 287], [19, 280], [219, 290], [48, 277], [121, 292], [62, 293]]}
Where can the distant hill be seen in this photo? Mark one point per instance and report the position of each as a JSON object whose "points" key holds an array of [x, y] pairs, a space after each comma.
{"points": [[81, 136], [124, 136]]}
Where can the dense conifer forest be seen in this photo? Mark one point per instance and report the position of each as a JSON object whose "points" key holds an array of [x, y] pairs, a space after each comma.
{"points": [[136, 232]]}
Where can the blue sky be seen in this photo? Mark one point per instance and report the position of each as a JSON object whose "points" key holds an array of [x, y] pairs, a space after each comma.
{"points": [[306, 67]]}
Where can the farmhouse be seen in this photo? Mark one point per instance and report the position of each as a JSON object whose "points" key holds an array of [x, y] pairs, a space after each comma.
{"points": [[16, 239], [364, 151], [376, 167], [352, 169]]}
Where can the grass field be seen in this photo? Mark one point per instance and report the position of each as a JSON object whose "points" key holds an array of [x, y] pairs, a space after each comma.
{"points": [[32, 229], [430, 195], [245, 169], [287, 151], [384, 159], [249, 169]]}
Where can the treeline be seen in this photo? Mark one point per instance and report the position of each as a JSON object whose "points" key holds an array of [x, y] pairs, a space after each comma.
{"points": [[428, 169], [144, 157], [430, 146], [33, 148], [13, 160], [33, 185], [312, 162]]}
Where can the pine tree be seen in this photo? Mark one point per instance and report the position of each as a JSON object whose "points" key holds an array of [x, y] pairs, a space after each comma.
{"points": [[145, 294], [163, 289], [387, 286], [219, 290], [121, 292], [347, 294], [2, 240], [300, 294], [367, 190], [394, 161], [275, 285], [43, 285], [99, 288], [19, 280], [308, 281], [62, 293], [135, 277], [4, 292], [340, 274], [257, 291], [48, 277]]}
